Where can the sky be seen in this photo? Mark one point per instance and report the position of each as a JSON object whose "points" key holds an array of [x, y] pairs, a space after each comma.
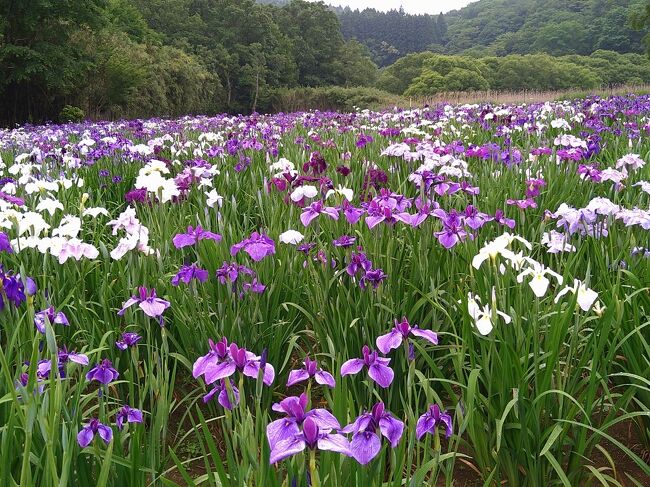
{"points": [[410, 6]]}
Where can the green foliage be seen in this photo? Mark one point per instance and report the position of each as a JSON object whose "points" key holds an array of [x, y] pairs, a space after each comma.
{"points": [[331, 98], [71, 114]]}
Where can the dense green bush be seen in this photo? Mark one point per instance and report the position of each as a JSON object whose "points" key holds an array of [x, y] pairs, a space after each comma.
{"points": [[330, 98]]}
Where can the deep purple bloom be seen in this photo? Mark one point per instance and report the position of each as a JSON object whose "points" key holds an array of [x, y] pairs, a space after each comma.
{"points": [[52, 316], [295, 409], [364, 140], [378, 368], [220, 390], [501, 219], [366, 444], [87, 433], [453, 230], [358, 261], [429, 420], [310, 370], [311, 437], [522, 204], [129, 415], [5, 245], [11, 288], [193, 236], [374, 277], [257, 246], [218, 364], [63, 357], [188, 272], [351, 213], [533, 187], [400, 332], [152, 305], [344, 241], [103, 372], [129, 339], [312, 211]]}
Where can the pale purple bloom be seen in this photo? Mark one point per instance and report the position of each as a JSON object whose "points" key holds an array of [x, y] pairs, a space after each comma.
{"points": [[193, 236], [87, 433], [217, 353], [52, 316], [344, 241], [522, 204], [129, 339], [311, 437], [220, 389], [295, 409], [433, 417], [129, 415], [152, 305], [351, 213], [311, 370], [401, 332], [63, 356], [188, 272], [453, 230], [257, 246], [237, 359], [501, 219], [103, 372], [475, 219], [317, 208], [366, 443], [378, 369]]}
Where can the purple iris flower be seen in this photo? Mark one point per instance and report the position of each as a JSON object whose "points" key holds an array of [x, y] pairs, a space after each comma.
{"points": [[193, 236], [152, 305], [500, 218], [103, 372], [429, 420], [129, 339], [296, 412], [344, 241], [366, 444], [52, 316], [11, 288], [219, 365], [311, 370], [129, 415], [364, 140], [522, 204], [533, 187], [5, 245], [358, 261], [378, 368], [188, 272], [475, 219], [378, 213], [87, 433], [453, 230], [401, 332], [257, 246], [351, 213], [309, 213], [221, 391], [374, 277], [311, 437], [63, 357]]}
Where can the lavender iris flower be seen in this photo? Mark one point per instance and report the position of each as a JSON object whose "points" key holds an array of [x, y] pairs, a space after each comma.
{"points": [[129, 339], [432, 418], [366, 443], [52, 316], [257, 246], [218, 353], [400, 332], [5, 245], [311, 437], [344, 241], [152, 305], [193, 236], [310, 370], [221, 391], [63, 357], [217, 365], [452, 231], [87, 433], [103, 372], [501, 219], [188, 272], [378, 368], [296, 412], [351, 213], [129, 415], [317, 208], [373, 277]]}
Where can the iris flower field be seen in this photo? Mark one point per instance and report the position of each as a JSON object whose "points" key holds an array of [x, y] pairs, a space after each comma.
{"points": [[453, 295]]}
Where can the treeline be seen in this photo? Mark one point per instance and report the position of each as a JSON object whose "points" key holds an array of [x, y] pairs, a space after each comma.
{"points": [[132, 58], [499, 28], [428, 73]]}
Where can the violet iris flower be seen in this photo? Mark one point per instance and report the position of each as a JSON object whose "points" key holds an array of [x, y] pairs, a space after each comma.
{"points": [[310, 370], [5, 245], [317, 208], [87, 433], [296, 412], [52, 316], [218, 367], [188, 272], [217, 354], [193, 236], [358, 261], [311, 437], [103, 372], [257, 246], [351, 213], [129, 339], [221, 391], [152, 305], [129, 415], [373, 277], [501, 219], [401, 332], [432, 418], [378, 368], [522, 204], [452, 230], [366, 444], [11, 288], [63, 356], [344, 241]]}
